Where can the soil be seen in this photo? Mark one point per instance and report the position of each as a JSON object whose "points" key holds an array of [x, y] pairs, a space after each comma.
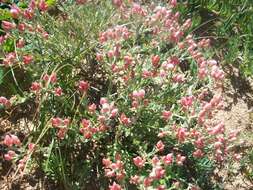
{"points": [[237, 116]]}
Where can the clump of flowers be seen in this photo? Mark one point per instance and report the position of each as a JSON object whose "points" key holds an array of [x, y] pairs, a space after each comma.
{"points": [[150, 124]]}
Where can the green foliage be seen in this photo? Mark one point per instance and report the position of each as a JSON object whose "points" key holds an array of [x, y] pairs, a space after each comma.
{"points": [[230, 24], [247, 165]]}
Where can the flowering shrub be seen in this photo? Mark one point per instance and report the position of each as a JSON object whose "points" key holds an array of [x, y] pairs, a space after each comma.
{"points": [[123, 96]]}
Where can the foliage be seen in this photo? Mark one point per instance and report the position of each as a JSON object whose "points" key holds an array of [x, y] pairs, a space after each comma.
{"points": [[247, 165], [230, 25]]}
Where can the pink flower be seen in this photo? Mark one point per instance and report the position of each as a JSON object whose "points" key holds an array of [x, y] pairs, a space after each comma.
{"points": [[194, 188], [31, 146], [2, 39], [160, 146], [237, 157], [101, 118], [155, 160], [124, 119], [162, 134], [46, 77], [8, 25], [62, 132], [21, 27], [135, 104], [140, 94], [9, 156], [159, 172], [147, 181], [56, 122], [106, 162], [15, 11], [102, 127], [15, 140], [8, 141], [85, 123], [42, 5], [202, 73], [173, 3], [103, 101], [10, 58], [166, 115], [220, 128], [198, 153], [21, 164], [27, 59], [199, 143], [233, 135], [11, 140], [174, 60], [45, 35], [109, 173], [180, 159], [135, 179], [32, 4], [105, 108], [181, 134], [128, 61], [28, 13], [161, 187], [137, 9], [35, 86], [5, 102], [139, 162], [155, 59], [168, 159], [51, 78], [21, 43], [114, 112], [83, 86], [110, 53], [218, 145], [80, 2], [58, 91], [115, 186], [146, 74], [187, 101], [99, 57], [117, 3], [92, 108], [179, 78], [66, 122]]}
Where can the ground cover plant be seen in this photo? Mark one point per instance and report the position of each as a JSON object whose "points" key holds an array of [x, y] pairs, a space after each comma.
{"points": [[121, 95]]}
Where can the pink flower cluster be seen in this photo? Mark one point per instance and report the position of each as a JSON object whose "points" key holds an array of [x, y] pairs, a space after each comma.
{"points": [[216, 102], [115, 34], [11, 140], [83, 86], [8, 26], [158, 170], [5, 102], [10, 59], [115, 169], [138, 98], [61, 125], [49, 80], [87, 130]]}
